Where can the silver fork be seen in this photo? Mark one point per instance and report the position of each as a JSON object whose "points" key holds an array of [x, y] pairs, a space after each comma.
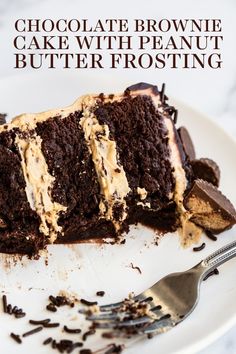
{"points": [[171, 299]]}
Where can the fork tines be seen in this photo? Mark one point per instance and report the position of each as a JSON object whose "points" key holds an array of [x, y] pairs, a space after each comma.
{"points": [[134, 314]]}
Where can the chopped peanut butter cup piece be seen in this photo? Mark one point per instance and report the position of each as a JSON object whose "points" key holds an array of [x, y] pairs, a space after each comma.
{"points": [[187, 143], [206, 169], [210, 209]]}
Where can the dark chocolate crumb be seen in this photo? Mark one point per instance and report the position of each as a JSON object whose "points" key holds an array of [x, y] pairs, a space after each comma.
{"points": [[51, 307], [88, 333], [197, 249], [136, 268], [210, 235], [111, 96], [100, 293], [213, 272], [88, 303], [47, 341], [150, 335], [16, 337], [33, 331], [4, 302], [71, 330], [40, 322]]}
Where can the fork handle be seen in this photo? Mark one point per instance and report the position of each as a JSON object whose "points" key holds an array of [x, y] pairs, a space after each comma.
{"points": [[219, 257]]}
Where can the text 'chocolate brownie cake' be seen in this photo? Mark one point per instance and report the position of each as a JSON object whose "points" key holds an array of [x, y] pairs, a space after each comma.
{"points": [[90, 170]]}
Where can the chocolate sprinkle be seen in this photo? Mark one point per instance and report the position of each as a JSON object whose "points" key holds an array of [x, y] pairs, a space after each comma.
{"points": [[88, 303], [51, 325], [59, 300], [20, 315], [175, 116], [162, 93], [136, 268], [85, 351], [3, 118], [4, 302], [71, 330], [15, 309], [33, 331], [108, 335], [210, 235], [9, 309], [16, 337], [100, 293], [40, 322], [65, 345], [47, 341], [213, 272], [89, 333], [114, 349], [197, 249]]}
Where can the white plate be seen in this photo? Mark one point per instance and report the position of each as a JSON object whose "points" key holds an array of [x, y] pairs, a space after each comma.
{"points": [[87, 268]]}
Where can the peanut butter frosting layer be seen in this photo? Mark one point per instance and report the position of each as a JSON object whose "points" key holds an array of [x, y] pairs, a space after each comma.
{"points": [[38, 185]]}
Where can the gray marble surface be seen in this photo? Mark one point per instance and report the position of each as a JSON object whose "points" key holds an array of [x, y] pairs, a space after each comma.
{"points": [[213, 93]]}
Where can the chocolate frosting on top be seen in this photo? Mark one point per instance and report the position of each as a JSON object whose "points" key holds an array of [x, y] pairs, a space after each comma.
{"points": [[143, 86]]}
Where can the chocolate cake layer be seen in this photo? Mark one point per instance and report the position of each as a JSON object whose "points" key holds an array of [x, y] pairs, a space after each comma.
{"points": [[19, 224]]}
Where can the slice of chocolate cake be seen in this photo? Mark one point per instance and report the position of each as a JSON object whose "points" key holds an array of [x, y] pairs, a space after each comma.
{"points": [[90, 170]]}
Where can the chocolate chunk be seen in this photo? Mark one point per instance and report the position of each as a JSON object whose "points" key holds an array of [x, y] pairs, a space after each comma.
{"points": [[209, 207], [143, 86], [187, 143], [2, 118], [206, 169]]}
